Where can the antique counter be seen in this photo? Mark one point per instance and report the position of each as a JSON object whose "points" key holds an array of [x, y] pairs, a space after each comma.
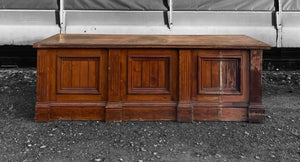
{"points": [[149, 77]]}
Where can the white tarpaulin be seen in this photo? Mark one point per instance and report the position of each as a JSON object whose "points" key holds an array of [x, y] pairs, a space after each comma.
{"points": [[223, 5], [141, 5], [120, 17], [153, 5], [29, 4], [161, 5], [291, 5]]}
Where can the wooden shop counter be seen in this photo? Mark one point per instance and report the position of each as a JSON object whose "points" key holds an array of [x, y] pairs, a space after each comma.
{"points": [[149, 77]]}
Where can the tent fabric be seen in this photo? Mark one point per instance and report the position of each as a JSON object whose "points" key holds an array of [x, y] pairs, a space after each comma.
{"points": [[29, 4], [224, 5], [139, 5], [291, 5], [179, 5], [152, 5]]}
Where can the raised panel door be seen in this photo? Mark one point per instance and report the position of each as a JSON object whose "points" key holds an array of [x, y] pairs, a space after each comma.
{"points": [[222, 76], [149, 75], [81, 75]]}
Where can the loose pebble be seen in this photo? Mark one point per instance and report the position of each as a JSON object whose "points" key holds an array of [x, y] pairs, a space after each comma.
{"points": [[218, 156], [143, 149], [97, 160]]}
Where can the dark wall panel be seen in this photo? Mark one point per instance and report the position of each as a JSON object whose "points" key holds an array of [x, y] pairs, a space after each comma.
{"points": [[21, 56]]}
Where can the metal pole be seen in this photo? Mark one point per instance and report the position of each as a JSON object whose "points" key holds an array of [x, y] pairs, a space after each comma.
{"points": [[279, 24], [62, 16], [170, 14]]}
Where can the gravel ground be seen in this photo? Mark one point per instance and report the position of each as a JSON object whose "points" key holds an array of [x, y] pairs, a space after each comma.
{"points": [[21, 139]]}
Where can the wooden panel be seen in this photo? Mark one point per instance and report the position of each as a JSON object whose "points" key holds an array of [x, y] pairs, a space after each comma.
{"points": [[78, 75], [114, 75], [230, 70], [228, 78], [154, 74], [220, 114], [206, 74], [163, 75], [233, 71], [151, 41], [233, 114], [92, 69], [256, 110], [74, 75], [149, 113], [113, 114], [206, 114], [149, 97], [43, 76], [115, 84], [184, 107], [145, 74], [215, 74], [84, 74], [113, 109], [66, 74], [137, 74], [219, 75], [59, 113], [70, 111], [149, 74], [41, 115], [185, 75]]}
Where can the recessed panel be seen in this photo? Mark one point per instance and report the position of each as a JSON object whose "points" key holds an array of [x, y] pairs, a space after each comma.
{"points": [[219, 75], [78, 75], [148, 75]]}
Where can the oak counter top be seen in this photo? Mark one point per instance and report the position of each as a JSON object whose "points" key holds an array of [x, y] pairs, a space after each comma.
{"points": [[151, 41]]}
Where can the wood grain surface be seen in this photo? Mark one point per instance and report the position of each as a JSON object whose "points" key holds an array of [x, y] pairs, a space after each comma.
{"points": [[117, 78], [151, 41]]}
